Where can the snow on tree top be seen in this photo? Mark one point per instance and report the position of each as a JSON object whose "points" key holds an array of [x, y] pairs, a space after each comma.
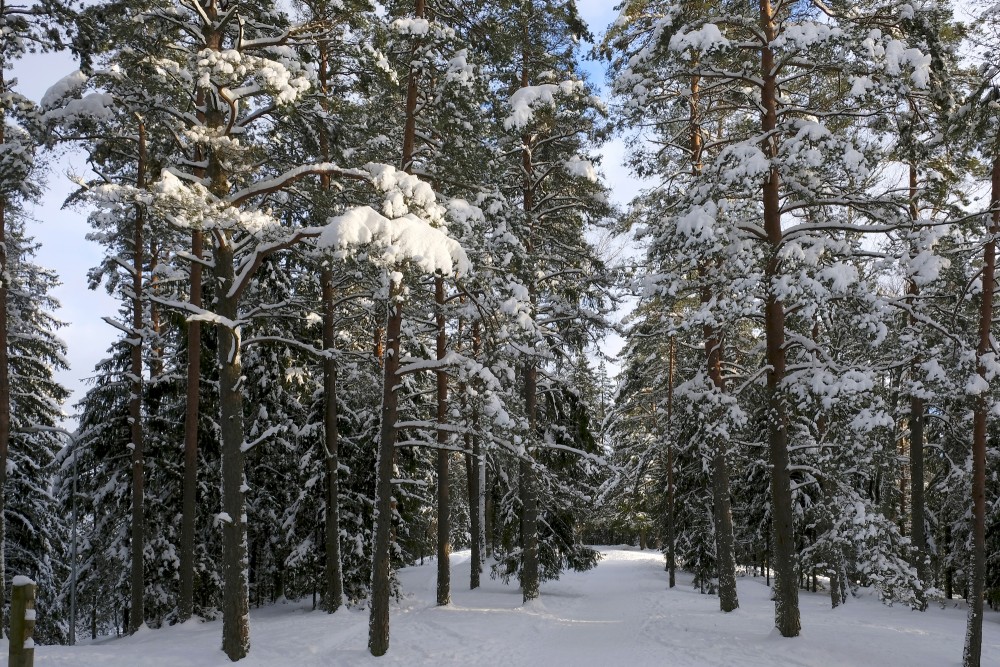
{"points": [[405, 238], [524, 101], [705, 39], [578, 166], [411, 26], [21, 580], [69, 85]]}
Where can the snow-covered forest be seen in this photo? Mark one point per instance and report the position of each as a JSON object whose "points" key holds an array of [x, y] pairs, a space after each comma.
{"points": [[367, 255]]}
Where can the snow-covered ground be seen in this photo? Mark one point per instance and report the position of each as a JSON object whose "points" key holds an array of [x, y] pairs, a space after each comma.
{"points": [[620, 614]]}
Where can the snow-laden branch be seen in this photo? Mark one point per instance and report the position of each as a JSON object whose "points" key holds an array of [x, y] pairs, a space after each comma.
{"points": [[247, 446], [291, 176]]}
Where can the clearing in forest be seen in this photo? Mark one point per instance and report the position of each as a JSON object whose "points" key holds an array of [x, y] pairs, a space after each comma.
{"points": [[620, 614]]}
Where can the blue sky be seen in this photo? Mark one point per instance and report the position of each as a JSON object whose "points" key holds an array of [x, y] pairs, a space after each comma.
{"points": [[62, 232]]}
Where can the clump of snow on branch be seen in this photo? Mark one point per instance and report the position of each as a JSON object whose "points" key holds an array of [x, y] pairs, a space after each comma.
{"points": [[525, 100], [405, 238]]}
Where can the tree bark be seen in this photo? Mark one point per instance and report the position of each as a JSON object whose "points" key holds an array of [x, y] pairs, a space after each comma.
{"points": [[378, 623], [334, 574], [189, 508], [528, 493], [4, 385], [476, 484], [235, 584], [724, 541], [786, 594], [4, 397], [334, 593], [138, 523], [974, 634], [671, 523], [412, 94], [918, 534], [529, 500], [443, 491]]}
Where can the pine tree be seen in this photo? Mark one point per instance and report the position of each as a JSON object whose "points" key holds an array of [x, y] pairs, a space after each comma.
{"points": [[35, 27], [763, 165]]}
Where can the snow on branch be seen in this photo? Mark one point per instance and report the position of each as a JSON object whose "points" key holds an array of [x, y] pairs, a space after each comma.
{"points": [[450, 359], [284, 180], [406, 238], [525, 100], [247, 446]]}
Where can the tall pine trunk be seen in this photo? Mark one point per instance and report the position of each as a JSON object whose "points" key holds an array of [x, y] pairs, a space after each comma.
{"points": [[526, 488], [724, 542], [334, 593], [4, 388], [378, 623], [443, 491], [671, 515], [334, 568], [977, 584], [138, 527], [786, 594], [477, 484], [235, 584], [528, 494], [918, 535], [189, 507]]}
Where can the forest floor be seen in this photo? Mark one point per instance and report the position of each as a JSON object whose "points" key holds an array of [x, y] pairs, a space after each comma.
{"points": [[619, 614]]}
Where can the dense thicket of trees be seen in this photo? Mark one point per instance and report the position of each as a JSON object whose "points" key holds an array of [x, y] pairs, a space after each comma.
{"points": [[360, 304]]}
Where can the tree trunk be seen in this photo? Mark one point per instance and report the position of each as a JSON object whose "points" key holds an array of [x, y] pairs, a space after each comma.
{"points": [[917, 533], [786, 594], [378, 624], [443, 490], [138, 523], [4, 387], [334, 593], [189, 508], [974, 634], [235, 591], [477, 508], [489, 525], [529, 499], [671, 523], [949, 572], [724, 541], [528, 492]]}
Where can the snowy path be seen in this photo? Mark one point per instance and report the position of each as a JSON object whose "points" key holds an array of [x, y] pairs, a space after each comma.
{"points": [[619, 614]]}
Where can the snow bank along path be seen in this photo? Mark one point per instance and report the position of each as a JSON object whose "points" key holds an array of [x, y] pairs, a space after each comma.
{"points": [[620, 614]]}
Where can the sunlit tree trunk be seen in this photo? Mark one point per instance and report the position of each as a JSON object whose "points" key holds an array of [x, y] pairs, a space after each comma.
{"points": [[786, 594], [977, 579]]}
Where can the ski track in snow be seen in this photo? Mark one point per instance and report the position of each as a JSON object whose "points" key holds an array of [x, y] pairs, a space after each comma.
{"points": [[621, 613]]}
